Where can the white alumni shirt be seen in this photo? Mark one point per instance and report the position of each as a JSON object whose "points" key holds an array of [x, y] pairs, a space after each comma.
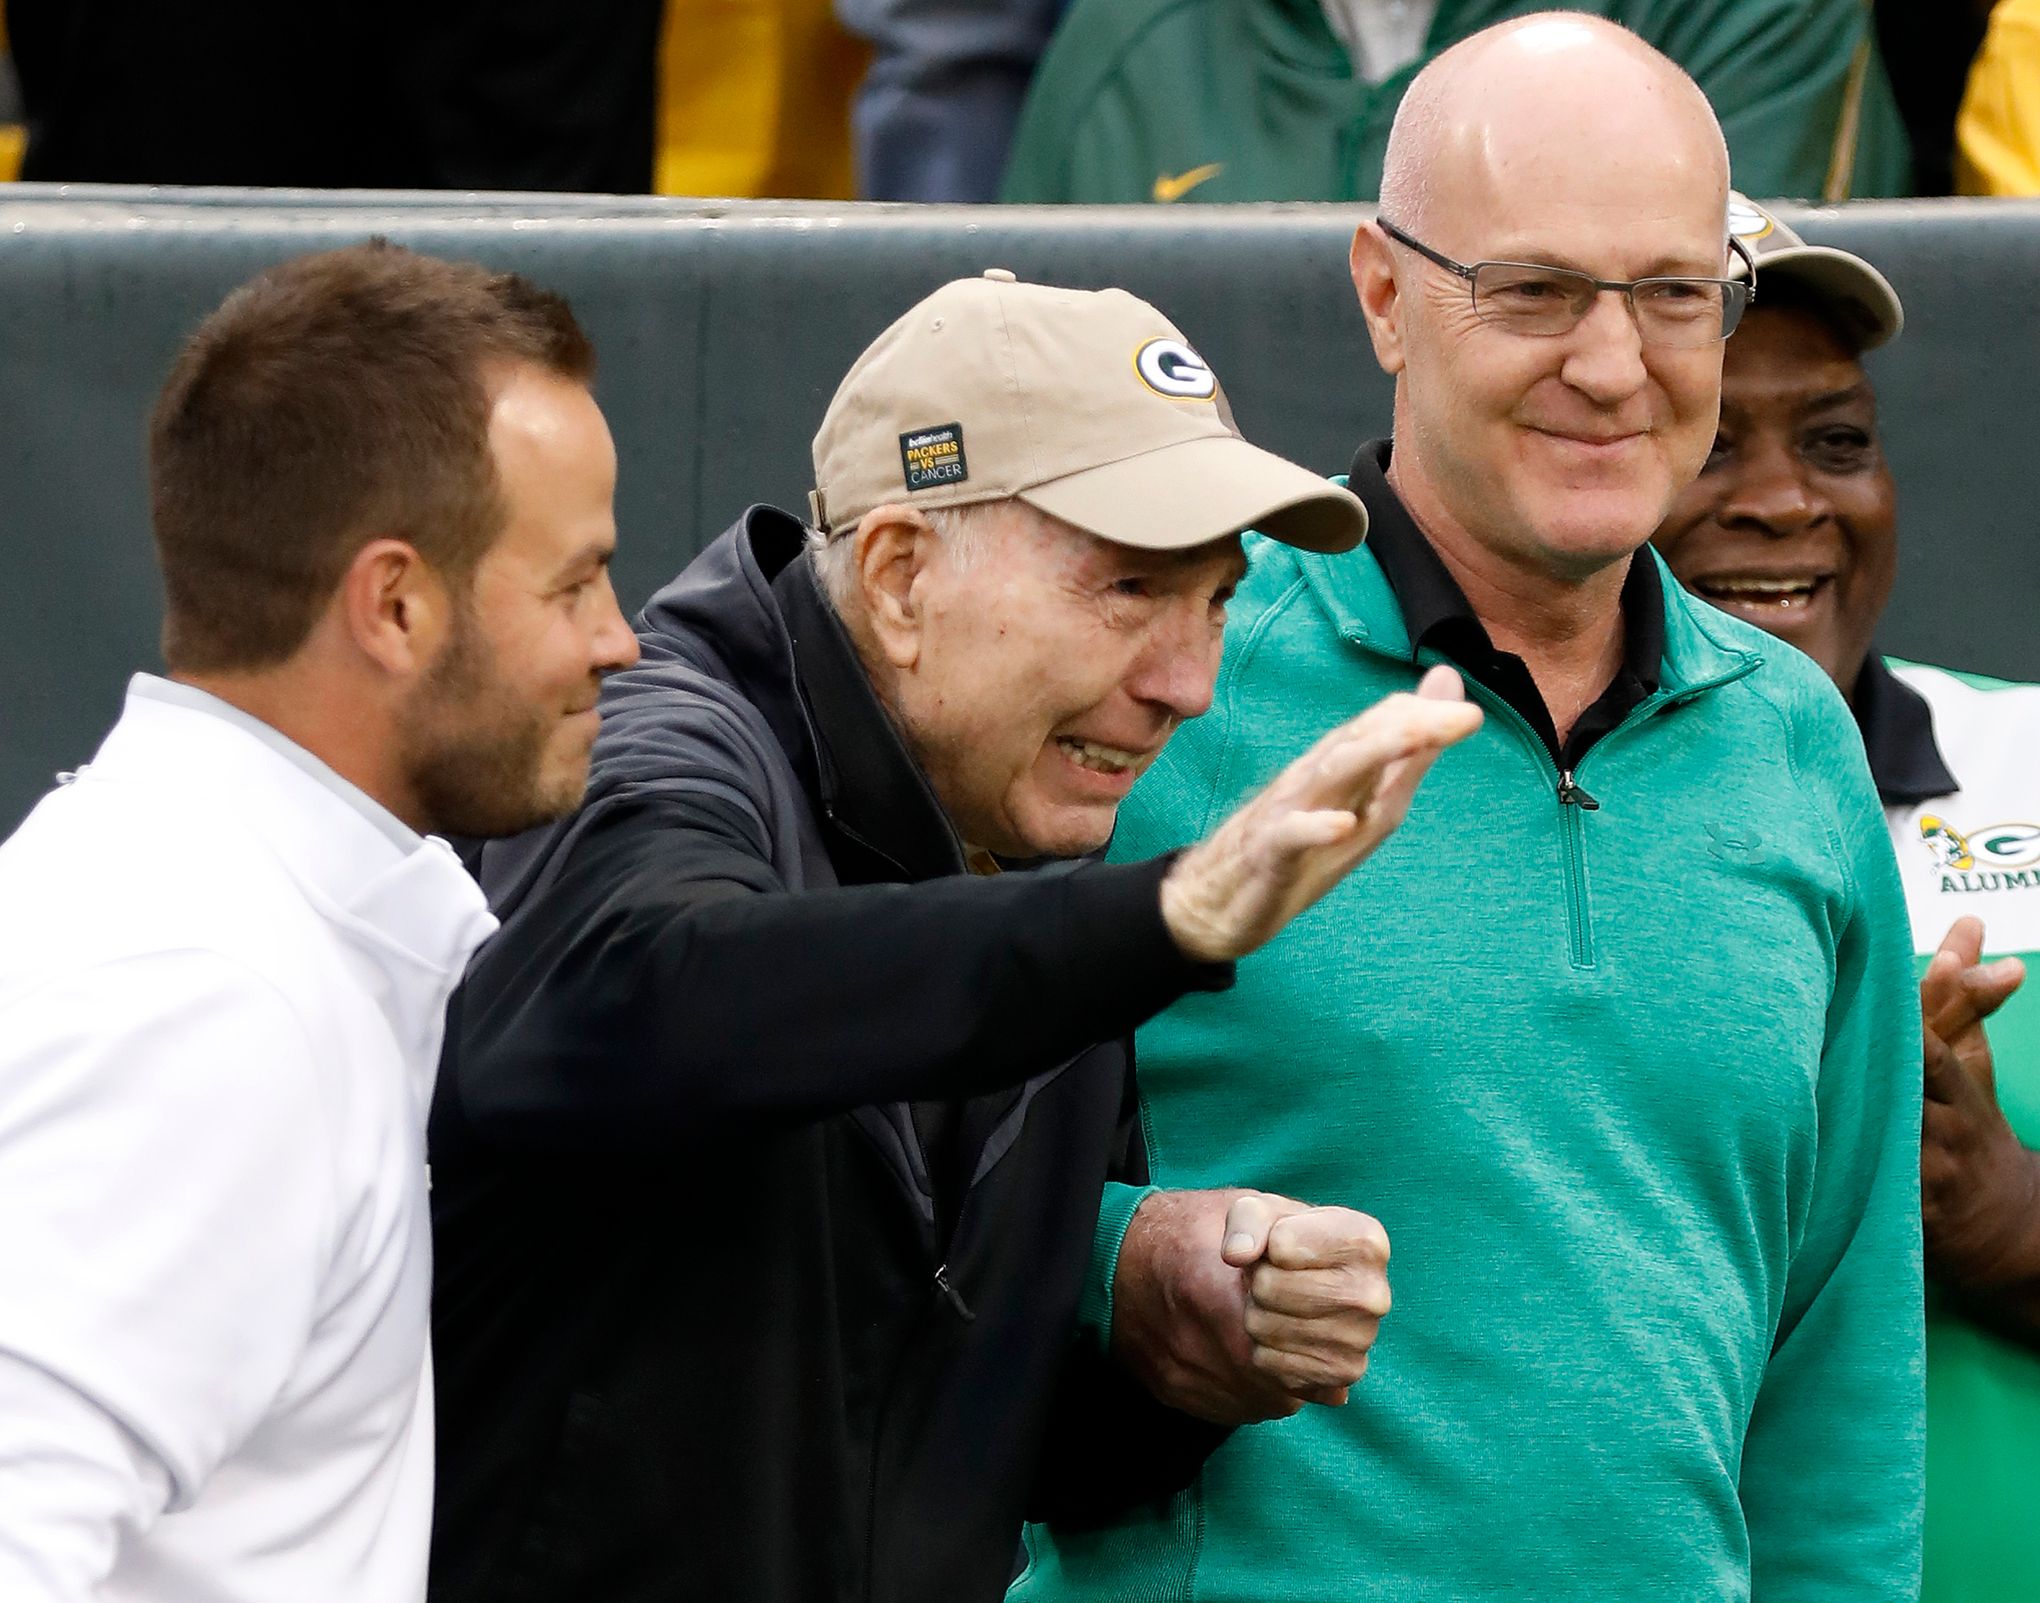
{"points": [[1976, 850], [223, 979]]}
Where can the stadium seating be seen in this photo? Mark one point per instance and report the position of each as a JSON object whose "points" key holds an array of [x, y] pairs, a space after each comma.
{"points": [[723, 327]]}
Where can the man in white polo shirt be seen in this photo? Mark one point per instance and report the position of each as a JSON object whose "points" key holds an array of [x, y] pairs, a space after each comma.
{"points": [[382, 506]]}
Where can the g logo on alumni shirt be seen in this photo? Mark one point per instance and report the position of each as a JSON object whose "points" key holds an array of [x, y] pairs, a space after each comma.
{"points": [[1989, 858], [1171, 368]]}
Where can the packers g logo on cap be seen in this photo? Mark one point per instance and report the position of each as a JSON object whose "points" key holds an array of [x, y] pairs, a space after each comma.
{"points": [[1746, 221], [1171, 368]]}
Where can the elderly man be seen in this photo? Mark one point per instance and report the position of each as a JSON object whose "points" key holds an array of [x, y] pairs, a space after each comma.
{"points": [[1792, 525], [381, 494], [1618, 1036], [770, 1144]]}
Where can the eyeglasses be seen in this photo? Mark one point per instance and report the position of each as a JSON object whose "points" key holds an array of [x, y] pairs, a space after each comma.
{"points": [[1527, 298]]}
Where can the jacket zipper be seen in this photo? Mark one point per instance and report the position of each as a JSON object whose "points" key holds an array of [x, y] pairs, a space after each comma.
{"points": [[1574, 803], [836, 822], [949, 1294], [943, 1289], [1573, 806], [1569, 791], [943, 1294]]}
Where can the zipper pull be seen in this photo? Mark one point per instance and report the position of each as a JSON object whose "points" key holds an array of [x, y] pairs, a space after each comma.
{"points": [[950, 1295], [1569, 792]]}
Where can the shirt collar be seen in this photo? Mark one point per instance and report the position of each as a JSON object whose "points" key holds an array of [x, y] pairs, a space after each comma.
{"points": [[148, 687], [404, 894], [1431, 600], [1898, 736]]}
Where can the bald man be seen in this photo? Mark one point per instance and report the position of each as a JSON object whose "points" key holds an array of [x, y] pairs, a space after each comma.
{"points": [[1618, 1037]]}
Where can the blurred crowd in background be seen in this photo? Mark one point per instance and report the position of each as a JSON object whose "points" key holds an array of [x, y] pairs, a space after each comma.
{"points": [[952, 100]]}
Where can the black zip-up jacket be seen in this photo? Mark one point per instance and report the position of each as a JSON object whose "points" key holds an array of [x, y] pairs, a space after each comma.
{"points": [[767, 1152]]}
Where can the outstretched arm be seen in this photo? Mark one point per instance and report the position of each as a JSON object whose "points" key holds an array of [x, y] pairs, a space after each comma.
{"points": [[667, 985]]}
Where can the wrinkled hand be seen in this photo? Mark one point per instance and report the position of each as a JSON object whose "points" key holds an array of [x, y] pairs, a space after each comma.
{"points": [[1238, 1306], [1322, 816], [1979, 1187]]}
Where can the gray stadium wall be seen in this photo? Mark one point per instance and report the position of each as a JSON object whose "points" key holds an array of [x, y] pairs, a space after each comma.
{"points": [[723, 328]]}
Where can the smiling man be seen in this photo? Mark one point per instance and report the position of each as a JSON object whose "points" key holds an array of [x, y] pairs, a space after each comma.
{"points": [[1617, 1037], [772, 1133], [381, 494], [1793, 526]]}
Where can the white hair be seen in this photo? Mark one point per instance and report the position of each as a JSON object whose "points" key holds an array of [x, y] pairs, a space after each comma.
{"points": [[1405, 196], [964, 530]]}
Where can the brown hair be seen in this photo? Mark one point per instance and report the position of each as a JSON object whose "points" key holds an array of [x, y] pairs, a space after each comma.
{"points": [[337, 398]]}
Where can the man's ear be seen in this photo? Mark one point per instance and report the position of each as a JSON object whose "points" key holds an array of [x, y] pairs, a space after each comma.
{"points": [[395, 608], [1380, 301], [890, 556]]}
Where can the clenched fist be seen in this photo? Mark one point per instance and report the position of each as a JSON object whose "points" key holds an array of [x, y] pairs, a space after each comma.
{"points": [[1317, 1290], [1238, 1306]]}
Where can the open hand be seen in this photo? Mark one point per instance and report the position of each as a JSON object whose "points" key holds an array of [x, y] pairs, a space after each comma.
{"points": [[1979, 1187], [1322, 815]]}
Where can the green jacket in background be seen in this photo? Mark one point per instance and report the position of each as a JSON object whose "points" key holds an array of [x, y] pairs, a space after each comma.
{"points": [[1635, 1092], [1240, 100]]}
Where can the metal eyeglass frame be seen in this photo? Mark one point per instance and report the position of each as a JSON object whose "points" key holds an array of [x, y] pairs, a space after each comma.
{"points": [[1737, 293]]}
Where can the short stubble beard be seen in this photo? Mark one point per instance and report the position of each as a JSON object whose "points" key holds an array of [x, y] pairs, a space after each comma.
{"points": [[473, 754]]}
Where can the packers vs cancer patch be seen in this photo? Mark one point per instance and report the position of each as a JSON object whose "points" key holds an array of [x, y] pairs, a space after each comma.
{"points": [[933, 456]]}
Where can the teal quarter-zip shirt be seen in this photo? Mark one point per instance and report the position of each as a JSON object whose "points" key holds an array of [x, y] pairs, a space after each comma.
{"points": [[1634, 1087], [1235, 100]]}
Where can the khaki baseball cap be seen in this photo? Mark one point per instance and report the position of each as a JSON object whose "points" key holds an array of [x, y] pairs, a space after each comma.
{"points": [[1086, 404], [1861, 295]]}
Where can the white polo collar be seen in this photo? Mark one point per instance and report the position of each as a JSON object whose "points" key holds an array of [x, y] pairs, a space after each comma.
{"points": [[404, 893], [148, 687]]}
